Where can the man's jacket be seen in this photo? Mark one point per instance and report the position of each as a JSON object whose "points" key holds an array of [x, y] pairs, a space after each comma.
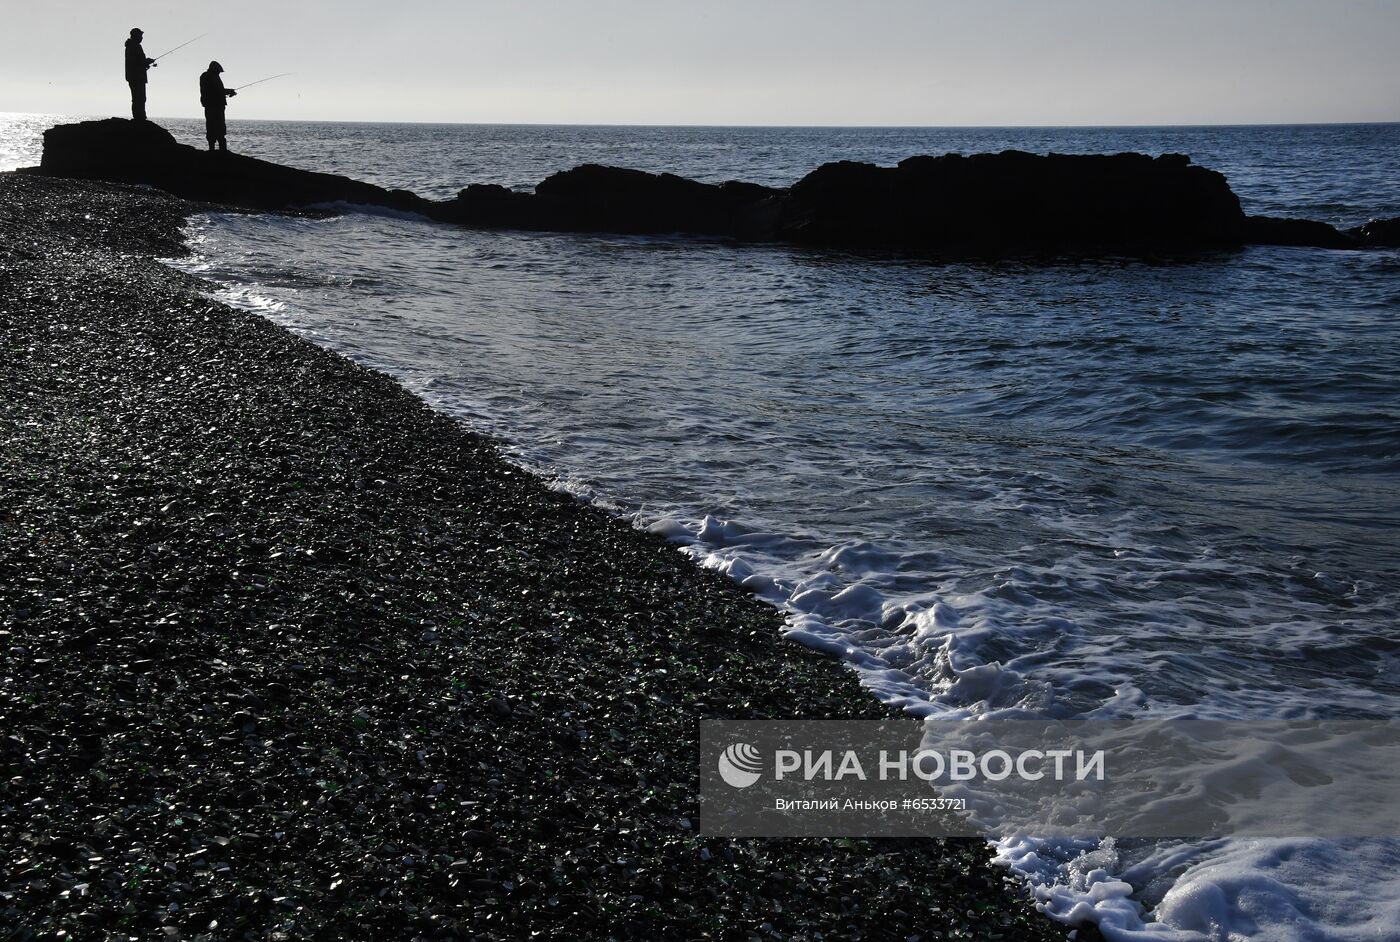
{"points": [[135, 62], [211, 90]]}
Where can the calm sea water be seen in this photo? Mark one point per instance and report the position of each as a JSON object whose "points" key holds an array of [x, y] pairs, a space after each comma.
{"points": [[1093, 488]]}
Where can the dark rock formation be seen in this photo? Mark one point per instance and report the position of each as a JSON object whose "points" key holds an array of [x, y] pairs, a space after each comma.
{"points": [[121, 151], [612, 199], [1267, 230], [1379, 232], [588, 198], [492, 206], [1270, 230], [987, 203], [1014, 200]]}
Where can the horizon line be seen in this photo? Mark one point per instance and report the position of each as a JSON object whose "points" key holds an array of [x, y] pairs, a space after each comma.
{"points": [[812, 127]]}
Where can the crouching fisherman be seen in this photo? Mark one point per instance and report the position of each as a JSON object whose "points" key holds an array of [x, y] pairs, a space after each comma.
{"points": [[214, 97]]}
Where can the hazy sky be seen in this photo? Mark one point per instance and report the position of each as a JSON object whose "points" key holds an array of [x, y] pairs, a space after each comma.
{"points": [[876, 62]]}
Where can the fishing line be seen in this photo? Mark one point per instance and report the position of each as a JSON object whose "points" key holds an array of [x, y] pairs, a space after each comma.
{"points": [[179, 47], [261, 80]]}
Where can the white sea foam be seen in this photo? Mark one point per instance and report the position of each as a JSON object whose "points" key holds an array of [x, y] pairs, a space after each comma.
{"points": [[1282, 890]]}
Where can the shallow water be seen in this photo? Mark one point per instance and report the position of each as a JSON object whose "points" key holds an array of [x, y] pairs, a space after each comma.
{"points": [[1075, 488]]}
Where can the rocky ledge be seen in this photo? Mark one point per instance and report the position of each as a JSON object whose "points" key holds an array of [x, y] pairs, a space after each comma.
{"points": [[985, 203]]}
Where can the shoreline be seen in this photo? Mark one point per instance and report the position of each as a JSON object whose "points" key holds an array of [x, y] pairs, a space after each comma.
{"points": [[287, 652]]}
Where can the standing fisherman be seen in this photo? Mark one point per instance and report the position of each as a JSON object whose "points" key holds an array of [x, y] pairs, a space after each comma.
{"points": [[214, 97], [137, 65]]}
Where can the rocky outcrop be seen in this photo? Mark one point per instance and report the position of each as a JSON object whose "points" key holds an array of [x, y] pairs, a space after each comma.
{"points": [[1379, 232], [587, 198], [986, 203], [1015, 200], [612, 199], [990, 202], [1270, 230], [121, 151], [1267, 230]]}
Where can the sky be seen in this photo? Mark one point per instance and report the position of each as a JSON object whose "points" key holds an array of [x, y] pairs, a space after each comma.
{"points": [[764, 62]]}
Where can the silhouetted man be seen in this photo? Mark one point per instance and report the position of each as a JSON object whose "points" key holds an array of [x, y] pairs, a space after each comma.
{"points": [[136, 67], [214, 97]]}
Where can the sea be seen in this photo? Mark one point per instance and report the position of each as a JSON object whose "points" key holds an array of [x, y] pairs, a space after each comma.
{"points": [[1056, 487]]}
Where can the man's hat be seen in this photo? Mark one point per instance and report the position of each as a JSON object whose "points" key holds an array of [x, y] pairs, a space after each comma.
{"points": [[215, 67]]}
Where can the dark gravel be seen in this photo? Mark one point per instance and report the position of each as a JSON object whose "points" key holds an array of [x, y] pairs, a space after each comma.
{"points": [[286, 655]]}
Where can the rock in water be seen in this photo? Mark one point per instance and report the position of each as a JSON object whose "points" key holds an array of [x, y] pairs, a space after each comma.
{"points": [[1379, 232], [594, 198], [118, 150], [1014, 200], [1268, 230]]}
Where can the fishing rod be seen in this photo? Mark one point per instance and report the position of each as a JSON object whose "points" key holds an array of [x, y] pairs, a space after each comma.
{"points": [[261, 80], [179, 47]]}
